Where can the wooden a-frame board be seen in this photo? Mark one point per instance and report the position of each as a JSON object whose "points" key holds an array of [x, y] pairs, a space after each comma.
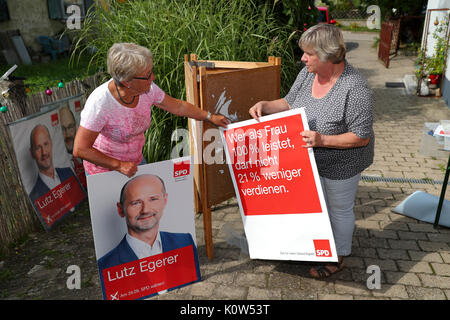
{"points": [[230, 88]]}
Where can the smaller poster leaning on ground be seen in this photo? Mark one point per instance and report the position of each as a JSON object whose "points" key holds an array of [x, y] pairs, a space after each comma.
{"points": [[69, 113], [278, 188], [43, 145], [144, 229]]}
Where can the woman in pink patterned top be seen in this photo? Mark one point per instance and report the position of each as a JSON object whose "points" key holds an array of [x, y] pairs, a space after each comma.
{"points": [[118, 112]]}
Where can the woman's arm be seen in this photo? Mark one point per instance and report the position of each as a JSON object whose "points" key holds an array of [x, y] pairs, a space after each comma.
{"points": [[186, 109], [83, 148], [268, 107], [341, 141]]}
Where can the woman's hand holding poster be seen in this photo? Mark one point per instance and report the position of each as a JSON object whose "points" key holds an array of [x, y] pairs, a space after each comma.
{"points": [[278, 189]]}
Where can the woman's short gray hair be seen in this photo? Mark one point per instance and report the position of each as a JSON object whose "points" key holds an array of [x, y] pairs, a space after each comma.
{"points": [[126, 60], [326, 40]]}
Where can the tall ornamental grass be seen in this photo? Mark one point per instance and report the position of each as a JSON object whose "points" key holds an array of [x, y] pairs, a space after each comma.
{"points": [[217, 30]]}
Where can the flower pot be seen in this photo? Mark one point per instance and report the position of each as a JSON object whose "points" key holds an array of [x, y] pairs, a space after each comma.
{"points": [[424, 90], [434, 78]]}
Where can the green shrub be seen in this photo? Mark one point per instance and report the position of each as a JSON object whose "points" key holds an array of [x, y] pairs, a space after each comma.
{"points": [[39, 76], [217, 30]]}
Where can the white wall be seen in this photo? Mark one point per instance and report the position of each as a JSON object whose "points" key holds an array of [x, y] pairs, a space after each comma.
{"points": [[437, 4], [439, 15]]}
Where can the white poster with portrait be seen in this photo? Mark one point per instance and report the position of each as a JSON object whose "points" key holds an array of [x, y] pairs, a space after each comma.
{"points": [[144, 229], [69, 110]]}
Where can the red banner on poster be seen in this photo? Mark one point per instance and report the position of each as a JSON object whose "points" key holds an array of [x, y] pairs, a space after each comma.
{"points": [[57, 202], [79, 171], [271, 169], [144, 277]]}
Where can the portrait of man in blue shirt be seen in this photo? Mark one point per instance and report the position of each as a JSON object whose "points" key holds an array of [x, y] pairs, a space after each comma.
{"points": [[49, 176], [142, 203]]}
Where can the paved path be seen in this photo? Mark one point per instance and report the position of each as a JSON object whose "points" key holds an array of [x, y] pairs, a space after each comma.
{"points": [[414, 258]]}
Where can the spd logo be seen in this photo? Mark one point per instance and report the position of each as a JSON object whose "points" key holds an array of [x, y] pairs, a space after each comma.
{"points": [[181, 169], [77, 106], [322, 248], [54, 119]]}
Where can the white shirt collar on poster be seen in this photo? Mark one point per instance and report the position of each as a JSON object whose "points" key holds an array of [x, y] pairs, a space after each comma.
{"points": [[51, 183], [143, 249]]}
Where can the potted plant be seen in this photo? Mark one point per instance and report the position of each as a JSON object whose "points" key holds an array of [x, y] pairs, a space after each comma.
{"points": [[435, 64]]}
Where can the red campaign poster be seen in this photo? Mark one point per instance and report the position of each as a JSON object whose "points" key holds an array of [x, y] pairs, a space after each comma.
{"points": [[58, 201], [68, 118], [278, 188], [272, 170], [78, 167], [144, 229], [43, 144], [150, 275]]}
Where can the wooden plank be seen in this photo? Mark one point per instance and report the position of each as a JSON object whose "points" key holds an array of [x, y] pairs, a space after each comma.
{"points": [[237, 64], [238, 92], [231, 93], [204, 194], [395, 35], [190, 74]]}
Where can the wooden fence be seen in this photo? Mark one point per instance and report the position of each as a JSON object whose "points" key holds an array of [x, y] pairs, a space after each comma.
{"points": [[17, 216]]}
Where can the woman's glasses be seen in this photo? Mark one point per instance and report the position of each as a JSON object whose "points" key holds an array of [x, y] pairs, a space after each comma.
{"points": [[143, 78]]}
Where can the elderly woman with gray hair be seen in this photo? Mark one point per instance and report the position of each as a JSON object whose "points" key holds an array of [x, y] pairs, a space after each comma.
{"points": [[339, 107], [118, 112]]}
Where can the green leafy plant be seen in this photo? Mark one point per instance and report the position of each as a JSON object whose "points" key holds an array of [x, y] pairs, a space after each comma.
{"points": [[216, 30], [296, 16], [434, 64], [39, 76], [296, 13]]}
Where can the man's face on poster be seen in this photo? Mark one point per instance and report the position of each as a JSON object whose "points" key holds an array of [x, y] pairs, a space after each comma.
{"points": [[41, 148], [144, 203], [68, 127]]}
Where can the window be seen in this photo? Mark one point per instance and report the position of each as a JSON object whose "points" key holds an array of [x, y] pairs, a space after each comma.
{"points": [[57, 9]]}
